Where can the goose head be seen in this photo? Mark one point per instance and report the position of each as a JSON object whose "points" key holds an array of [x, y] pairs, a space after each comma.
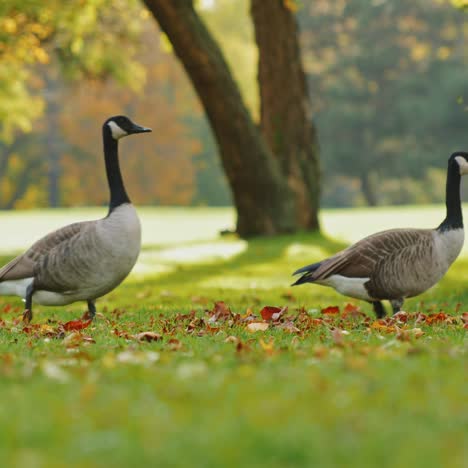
{"points": [[460, 159], [120, 126]]}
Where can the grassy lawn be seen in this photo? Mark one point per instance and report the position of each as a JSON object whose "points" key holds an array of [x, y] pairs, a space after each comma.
{"points": [[315, 387]]}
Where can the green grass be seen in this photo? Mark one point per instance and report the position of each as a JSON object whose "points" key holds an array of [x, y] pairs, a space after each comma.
{"points": [[373, 397]]}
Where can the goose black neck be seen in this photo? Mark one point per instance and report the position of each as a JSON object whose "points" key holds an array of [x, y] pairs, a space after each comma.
{"points": [[454, 218], [118, 194]]}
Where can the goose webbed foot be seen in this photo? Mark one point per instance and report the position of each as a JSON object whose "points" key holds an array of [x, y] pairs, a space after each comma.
{"points": [[27, 314], [379, 309], [91, 312], [396, 305]]}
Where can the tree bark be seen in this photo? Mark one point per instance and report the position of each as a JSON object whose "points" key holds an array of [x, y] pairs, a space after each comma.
{"points": [[286, 121], [264, 203], [54, 144], [368, 189]]}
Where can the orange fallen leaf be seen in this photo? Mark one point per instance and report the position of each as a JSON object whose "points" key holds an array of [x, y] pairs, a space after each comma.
{"points": [[76, 325], [331, 310], [436, 318], [257, 326]]}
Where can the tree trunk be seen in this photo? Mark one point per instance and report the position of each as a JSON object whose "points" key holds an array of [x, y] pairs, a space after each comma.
{"points": [[264, 203], [54, 143], [368, 189], [285, 110]]}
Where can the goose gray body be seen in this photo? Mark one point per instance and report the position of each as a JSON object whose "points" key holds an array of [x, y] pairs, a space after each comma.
{"points": [[82, 261], [399, 263]]}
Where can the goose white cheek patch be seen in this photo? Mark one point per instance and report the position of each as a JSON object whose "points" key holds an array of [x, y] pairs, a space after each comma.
{"points": [[463, 165], [116, 131]]}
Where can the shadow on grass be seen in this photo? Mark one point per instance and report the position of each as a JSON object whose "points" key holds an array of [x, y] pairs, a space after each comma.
{"points": [[262, 250]]}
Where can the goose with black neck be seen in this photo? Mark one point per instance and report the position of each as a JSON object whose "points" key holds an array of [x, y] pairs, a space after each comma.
{"points": [[86, 260], [399, 263]]}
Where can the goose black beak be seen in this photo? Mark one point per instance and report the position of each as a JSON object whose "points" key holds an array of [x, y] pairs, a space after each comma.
{"points": [[139, 129]]}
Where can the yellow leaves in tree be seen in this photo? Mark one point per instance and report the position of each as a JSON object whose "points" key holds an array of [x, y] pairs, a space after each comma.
{"points": [[292, 5]]}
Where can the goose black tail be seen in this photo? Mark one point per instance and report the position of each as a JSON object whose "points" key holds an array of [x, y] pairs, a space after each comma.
{"points": [[307, 276]]}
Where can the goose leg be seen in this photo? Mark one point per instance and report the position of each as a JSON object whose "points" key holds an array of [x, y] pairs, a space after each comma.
{"points": [[396, 305], [27, 314], [378, 309], [92, 309]]}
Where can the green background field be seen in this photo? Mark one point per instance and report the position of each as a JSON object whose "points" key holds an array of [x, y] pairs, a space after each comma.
{"points": [[279, 400]]}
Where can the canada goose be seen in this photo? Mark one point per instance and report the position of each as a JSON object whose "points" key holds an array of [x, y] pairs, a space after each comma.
{"points": [[82, 261], [398, 263]]}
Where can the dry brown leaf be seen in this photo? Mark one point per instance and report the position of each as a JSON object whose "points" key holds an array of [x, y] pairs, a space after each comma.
{"points": [[148, 336]]}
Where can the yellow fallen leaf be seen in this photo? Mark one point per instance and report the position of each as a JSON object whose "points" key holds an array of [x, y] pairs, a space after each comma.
{"points": [[257, 326]]}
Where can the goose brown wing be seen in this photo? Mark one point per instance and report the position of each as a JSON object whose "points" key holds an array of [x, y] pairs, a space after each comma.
{"points": [[24, 265], [363, 258]]}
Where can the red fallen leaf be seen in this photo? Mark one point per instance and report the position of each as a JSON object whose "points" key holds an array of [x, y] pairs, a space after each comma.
{"points": [[331, 310], [268, 311], [76, 325], [464, 317], [148, 336], [401, 316], [350, 308], [465, 326], [6, 308]]}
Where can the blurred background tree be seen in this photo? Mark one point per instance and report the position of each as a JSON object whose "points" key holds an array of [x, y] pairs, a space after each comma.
{"points": [[387, 81]]}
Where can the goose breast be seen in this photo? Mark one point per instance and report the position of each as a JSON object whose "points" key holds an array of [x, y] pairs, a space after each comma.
{"points": [[93, 262]]}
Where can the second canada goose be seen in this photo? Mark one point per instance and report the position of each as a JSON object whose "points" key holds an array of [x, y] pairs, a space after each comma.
{"points": [[399, 263], [82, 261]]}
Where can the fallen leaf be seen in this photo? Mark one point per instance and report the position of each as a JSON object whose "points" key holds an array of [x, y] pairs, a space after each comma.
{"points": [[76, 325], [290, 327], [174, 344], [337, 336], [148, 336], [331, 310], [72, 340], [269, 346], [257, 326], [268, 312]]}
